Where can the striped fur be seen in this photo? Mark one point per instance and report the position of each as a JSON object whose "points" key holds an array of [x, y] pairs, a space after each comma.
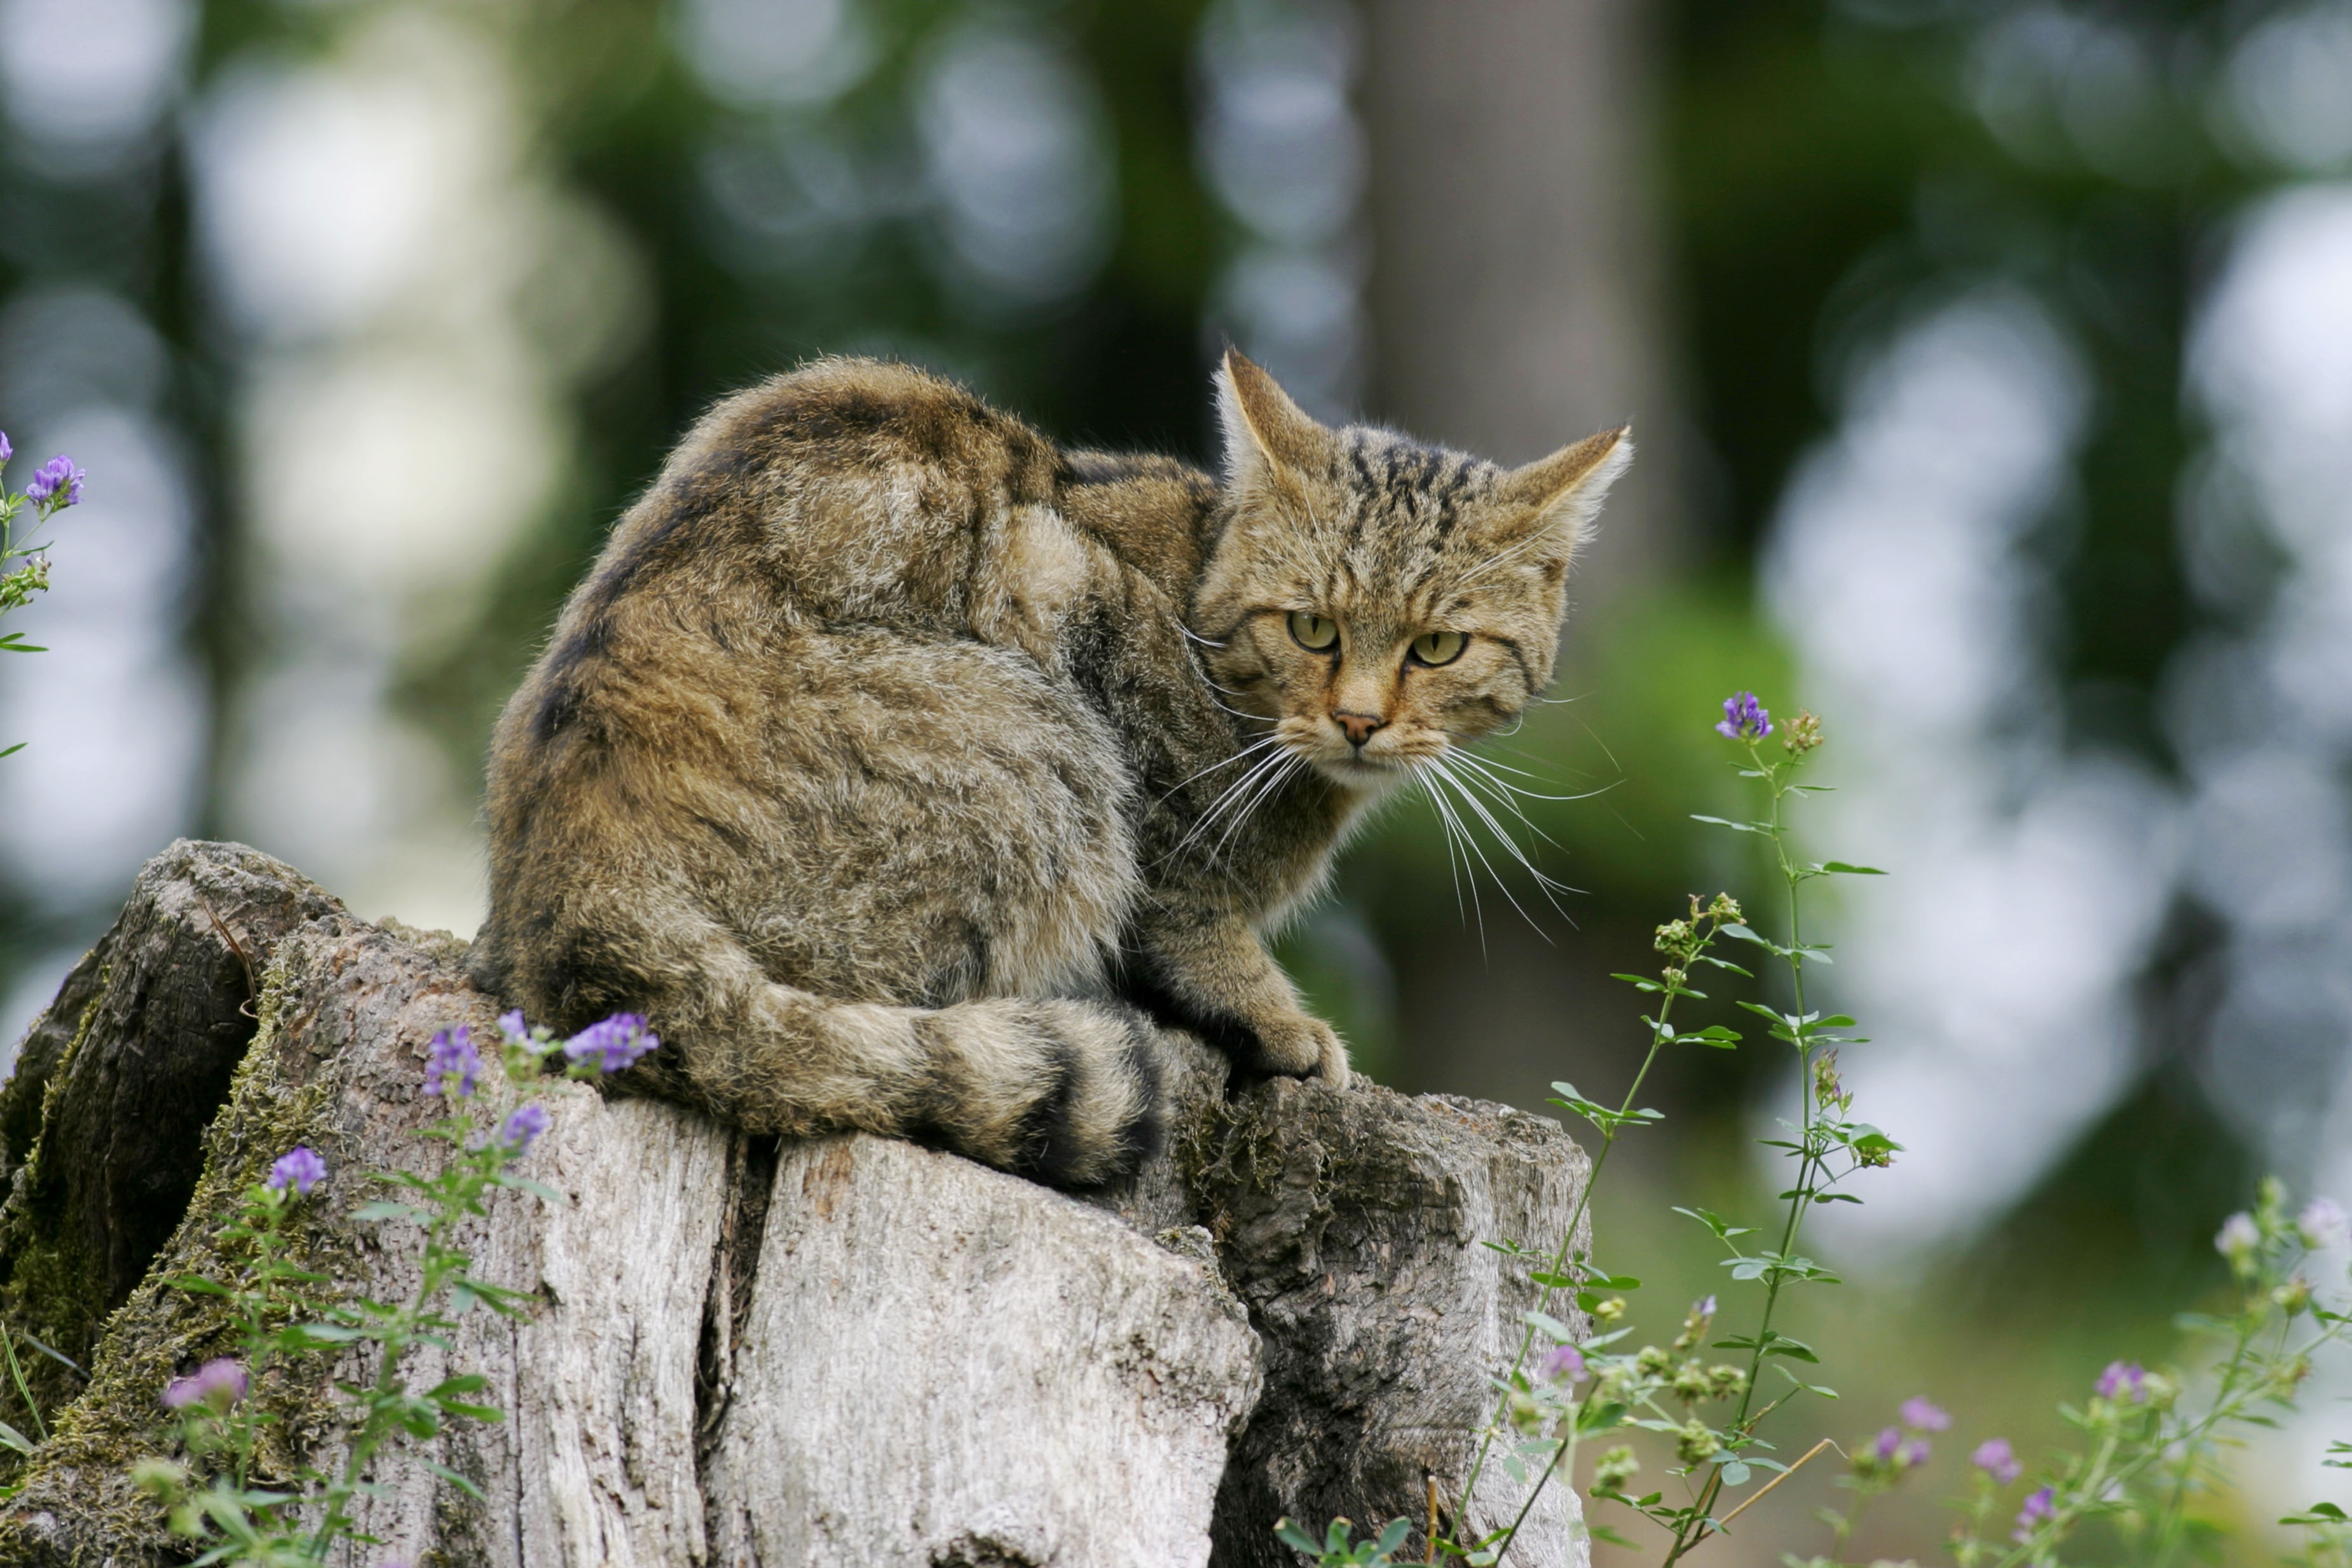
{"points": [[896, 762]]}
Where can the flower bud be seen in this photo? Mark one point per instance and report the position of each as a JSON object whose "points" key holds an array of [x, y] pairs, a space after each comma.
{"points": [[1696, 1443], [1614, 1468]]}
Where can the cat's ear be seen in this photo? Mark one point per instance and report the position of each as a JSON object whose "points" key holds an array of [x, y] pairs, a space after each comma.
{"points": [[1265, 432], [1561, 495]]}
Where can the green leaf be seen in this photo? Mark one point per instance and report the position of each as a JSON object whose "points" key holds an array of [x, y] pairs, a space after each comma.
{"points": [[13, 1439], [1735, 827], [453, 1478], [1735, 1474], [1742, 934], [2318, 1514], [1842, 869], [1392, 1536], [524, 1184], [1598, 1416], [1808, 1387], [326, 1333], [464, 1383], [1614, 1537], [1548, 1325], [1616, 1282], [385, 1210], [1639, 982], [1290, 1535], [1796, 1350]]}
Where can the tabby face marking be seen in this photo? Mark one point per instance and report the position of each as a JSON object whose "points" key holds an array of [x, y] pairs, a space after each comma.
{"points": [[1376, 601]]}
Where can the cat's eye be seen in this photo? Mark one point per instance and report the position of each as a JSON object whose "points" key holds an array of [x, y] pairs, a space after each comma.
{"points": [[1313, 632], [1439, 647]]}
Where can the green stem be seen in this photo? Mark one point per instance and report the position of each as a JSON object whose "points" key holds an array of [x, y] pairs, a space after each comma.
{"points": [[1559, 1262], [1695, 1529]]}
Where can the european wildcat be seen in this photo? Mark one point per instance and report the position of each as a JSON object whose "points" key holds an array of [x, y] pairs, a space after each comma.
{"points": [[886, 745]]}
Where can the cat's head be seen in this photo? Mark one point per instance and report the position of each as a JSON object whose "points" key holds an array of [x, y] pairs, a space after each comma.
{"points": [[1379, 599]]}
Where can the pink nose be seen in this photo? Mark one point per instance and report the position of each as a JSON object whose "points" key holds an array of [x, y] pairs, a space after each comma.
{"points": [[1358, 726]]}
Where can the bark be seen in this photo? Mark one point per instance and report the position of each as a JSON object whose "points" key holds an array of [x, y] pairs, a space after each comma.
{"points": [[834, 1351]]}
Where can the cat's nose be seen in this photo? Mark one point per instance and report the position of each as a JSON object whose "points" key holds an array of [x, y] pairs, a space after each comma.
{"points": [[1357, 726]]}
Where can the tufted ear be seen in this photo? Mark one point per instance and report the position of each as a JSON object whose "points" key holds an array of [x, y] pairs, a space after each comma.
{"points": [[1562, 493], [1265, 432]]}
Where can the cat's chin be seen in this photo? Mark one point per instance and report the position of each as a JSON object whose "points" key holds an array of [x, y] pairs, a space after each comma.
{"points": [[1365, 778]]}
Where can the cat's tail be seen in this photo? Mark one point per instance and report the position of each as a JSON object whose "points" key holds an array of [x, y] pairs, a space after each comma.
{"points": [[1064, 1092]]}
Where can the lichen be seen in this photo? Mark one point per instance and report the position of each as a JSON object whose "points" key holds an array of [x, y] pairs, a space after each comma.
{"points": [[160, 1331], [54, 1290]]}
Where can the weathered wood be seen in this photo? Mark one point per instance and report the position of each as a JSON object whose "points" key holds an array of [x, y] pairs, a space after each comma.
{"points": [[844, 1350], [111, 1088], [1352, 1225], [977, 1372]]}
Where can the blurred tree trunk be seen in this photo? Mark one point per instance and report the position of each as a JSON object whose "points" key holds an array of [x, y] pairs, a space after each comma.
{"points": [[1515, 263]]}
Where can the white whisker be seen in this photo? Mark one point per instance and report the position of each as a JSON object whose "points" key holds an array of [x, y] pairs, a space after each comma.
{"points": [[1454, 831], [1258, 744], [1264, 792], [1231, 794], [1500, 885]]}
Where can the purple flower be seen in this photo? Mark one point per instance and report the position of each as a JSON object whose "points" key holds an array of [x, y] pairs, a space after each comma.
{"points": [[1703, 1307], [2038, 1506], [613, 1044], [523, 1127], [1914, 1453], [1561, 1364], [453, 1056], [512, 1026], [2238, 1237], [299, 1167], [1744, 718], [220, 1383], [2321, 1223], [1922, 1414], [57, 474], [7, 450], [1889, 1444], [1996, 1458], [2122, 1378]]}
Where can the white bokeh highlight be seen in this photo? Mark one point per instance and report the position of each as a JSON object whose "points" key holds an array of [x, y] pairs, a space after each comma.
{"points": [[1284, 153], [1017, 151], [379, 235], [1992, 969]]}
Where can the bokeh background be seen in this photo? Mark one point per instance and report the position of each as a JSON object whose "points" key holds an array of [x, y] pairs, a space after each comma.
{"points": [[1990, 359]]}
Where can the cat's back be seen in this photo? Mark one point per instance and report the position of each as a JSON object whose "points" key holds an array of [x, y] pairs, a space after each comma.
{"points": [[847, 492]]}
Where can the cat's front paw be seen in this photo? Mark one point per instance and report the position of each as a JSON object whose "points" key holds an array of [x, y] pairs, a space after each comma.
{"points": [[1303, 1047]]}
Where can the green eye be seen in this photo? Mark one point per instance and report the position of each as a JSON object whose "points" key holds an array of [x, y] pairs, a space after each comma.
{"points": [[1439, 647], [1313, 631]]}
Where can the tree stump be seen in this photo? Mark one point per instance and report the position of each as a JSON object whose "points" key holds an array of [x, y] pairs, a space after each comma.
{"points": [[739, 1351]]}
